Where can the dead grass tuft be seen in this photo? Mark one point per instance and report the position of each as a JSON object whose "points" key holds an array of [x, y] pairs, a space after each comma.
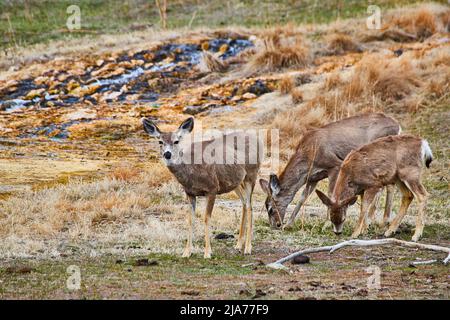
{"points": [[279, 50], [293, 123], [210, 63], [340, 43], [390, 79], [422, 23], [297, 95], [286, 84]]}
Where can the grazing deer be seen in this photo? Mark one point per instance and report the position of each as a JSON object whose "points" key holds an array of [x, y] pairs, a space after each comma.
{"points": [[209, 178], [385, 161], [319, 155]]}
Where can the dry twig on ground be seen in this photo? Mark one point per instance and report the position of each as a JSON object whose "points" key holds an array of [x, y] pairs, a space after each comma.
{"points": [[362, 243]]}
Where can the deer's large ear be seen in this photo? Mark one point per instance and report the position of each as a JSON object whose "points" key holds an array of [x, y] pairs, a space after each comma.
{"points": [[274, 184], [324, 198], [348, 202], [264, 185], [151, 128], [186, 127]]}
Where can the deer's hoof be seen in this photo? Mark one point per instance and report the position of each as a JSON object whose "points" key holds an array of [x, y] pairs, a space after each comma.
{"points": [[207, 255], [388, 234], [248, 251], [416, 237], [355, 235], [186, 254]]}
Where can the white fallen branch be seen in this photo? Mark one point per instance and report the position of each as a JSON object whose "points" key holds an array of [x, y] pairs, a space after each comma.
{"points": [[419, 263], [361, 243]]}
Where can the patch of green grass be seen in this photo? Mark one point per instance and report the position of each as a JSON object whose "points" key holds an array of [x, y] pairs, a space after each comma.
{"points": [[33, 21]]}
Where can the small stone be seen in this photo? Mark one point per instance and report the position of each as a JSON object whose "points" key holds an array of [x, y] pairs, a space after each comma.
{"points": [[34, 93], [224, 236], [258, 294], [249, 95], [193, 110], [300, 260], [258, 88], [145, 263], [80, 114], [398, 52]]}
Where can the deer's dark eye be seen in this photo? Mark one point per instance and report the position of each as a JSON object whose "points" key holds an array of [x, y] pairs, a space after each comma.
{"points": [[160, 142], [176, 142]]}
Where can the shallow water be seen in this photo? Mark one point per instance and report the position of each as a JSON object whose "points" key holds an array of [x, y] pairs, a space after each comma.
{"points": [[169, 60]]}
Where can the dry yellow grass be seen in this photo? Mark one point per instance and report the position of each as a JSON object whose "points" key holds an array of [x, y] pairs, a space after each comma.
{"points": [[109, 129], [286, 84], [390, 79], [126, 207], [340, 43], [422, 22], [297, 95], [210, 63], [294, 122], [280, 48]]}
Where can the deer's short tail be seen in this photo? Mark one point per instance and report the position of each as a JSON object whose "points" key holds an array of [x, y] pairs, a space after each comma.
{"points": [[427, 155]]}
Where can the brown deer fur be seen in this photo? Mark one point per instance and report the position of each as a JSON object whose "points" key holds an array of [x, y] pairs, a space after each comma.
{"points": [[385, 161], [319, 155], [210, 179]]}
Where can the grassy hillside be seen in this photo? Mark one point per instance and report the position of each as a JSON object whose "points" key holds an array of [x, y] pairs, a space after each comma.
{"points": [[24, 22]]}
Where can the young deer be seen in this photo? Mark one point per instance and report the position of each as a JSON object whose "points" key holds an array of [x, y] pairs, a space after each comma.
{"points": [[319, 155], [209, 178], [385, 161]]}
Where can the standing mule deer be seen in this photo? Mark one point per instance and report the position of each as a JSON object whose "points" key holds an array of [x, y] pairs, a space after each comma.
{"points": [[237, 172], [319, 155], [385, 161]]}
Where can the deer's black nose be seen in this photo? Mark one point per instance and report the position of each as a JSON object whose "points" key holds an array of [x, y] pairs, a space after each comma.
{"points": [[337, 233], [167, 155]]}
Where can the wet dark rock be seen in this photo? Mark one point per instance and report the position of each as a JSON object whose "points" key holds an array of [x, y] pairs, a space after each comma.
{"points": [[258, 88], [193, 110], [190, 293], [315, 284], [362, 293], [398, 52], [295, 289], [245, 292], [307, 298], [300, 260], [223, 236], [145, 263], [347, 287], [259, 293]]}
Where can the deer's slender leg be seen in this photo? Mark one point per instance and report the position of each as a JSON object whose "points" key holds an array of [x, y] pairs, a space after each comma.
{"points": [[240, 243], [249, 232], [366, 201], [188, 249], [407, 197], [388, 205], [373, 206], [421, 195], [309, 188], [210, 199]]}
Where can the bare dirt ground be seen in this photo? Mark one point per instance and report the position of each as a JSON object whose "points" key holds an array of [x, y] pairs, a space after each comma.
{"points": [[81, 183]]}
